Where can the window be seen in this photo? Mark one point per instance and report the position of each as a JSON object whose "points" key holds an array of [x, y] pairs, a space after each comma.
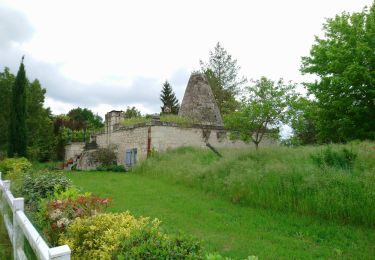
{"points": [[130, 157]]}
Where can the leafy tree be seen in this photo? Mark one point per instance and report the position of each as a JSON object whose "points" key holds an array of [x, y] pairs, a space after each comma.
{"points": [[81, 118], [39, 120], [169, 100], [263, 107], [131, 112], [225, 99], [6, 83], [17, 127], [344, 61], [303, 121], [222, 73]]}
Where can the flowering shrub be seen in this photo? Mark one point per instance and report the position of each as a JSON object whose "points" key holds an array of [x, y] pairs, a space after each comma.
{"points": [[56, 214], [98, 237]]}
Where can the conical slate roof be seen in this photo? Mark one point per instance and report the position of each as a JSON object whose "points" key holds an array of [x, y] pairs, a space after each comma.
{"points": [[199, 102]]}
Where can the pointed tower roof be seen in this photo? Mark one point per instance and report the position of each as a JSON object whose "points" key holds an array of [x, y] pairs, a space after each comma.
{"points": [[199, 102]]}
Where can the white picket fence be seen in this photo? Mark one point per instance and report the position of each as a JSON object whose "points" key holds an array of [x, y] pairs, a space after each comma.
{"points": [[19, 227]]}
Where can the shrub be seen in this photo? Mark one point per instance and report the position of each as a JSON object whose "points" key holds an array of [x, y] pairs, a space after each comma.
{"points": [[150, 243], [14, 167], [56, 213], [105, 156], [343, 159], [42, 185], [99, 237]]}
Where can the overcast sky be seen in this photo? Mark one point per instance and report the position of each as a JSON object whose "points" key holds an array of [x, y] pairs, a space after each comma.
{"points": [[108, 55]]}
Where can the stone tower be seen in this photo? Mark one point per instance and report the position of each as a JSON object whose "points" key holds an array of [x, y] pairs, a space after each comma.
{"points": [[199, 102]]}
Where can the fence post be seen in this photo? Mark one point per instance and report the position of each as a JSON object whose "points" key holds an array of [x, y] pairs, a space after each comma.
{"points": [[59, 253], [18, 238]]}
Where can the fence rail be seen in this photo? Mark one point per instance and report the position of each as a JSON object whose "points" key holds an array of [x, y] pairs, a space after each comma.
{"points": [[19, 227]]}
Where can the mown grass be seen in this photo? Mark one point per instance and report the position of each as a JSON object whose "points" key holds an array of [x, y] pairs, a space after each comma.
{"points": [[278, 178], [230, 229]]}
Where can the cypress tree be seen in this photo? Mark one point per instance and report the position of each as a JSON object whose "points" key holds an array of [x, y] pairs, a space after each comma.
{"points": [[169, 100], [17, 125]]}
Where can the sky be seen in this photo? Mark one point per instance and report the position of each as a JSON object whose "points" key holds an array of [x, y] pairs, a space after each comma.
{"points": [[106, 55]]}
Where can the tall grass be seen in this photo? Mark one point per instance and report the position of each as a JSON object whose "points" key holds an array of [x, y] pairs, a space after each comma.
{"points": [[280, 178]]}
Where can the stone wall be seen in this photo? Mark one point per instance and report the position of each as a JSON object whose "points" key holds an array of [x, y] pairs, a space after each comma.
{"points": [[73, 149], [126, 139], [165, 137]]}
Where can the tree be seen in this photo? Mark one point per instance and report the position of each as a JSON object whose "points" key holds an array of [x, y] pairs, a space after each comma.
{"points": [[344, 61], [83, 118], [6, 83], [303, 121], [131, 112], [222, 73], [39, 120], [169, 100], [263, 107], [17, 126]]}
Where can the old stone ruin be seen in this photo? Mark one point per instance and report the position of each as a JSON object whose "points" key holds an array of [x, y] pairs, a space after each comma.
{"points": [[135, 143]]}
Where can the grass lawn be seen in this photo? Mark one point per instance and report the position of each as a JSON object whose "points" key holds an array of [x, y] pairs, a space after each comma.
{"points": [[230, 229]]}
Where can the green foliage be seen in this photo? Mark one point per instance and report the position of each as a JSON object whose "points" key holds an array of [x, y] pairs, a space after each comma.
{"points": [[99, 237], [14, 166], [151, 243], [303, 121], [105, 156], [169, 100], [225, 98], [263, 107], [6, 83], [217, 256], [56, 212], [131, 112], [344, 61], [283, 179], [40, 140], [222, 75], [135, 120], [111, 168], [342, 159], [81, 118], [17, 142], [179, 120], [224, 69], [42, 185]]}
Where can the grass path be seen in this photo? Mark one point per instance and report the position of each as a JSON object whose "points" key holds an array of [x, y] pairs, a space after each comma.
{"points": [[227, 228]]}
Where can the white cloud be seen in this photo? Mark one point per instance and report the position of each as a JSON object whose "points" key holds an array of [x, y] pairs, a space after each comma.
{"points": [[110, 54]]}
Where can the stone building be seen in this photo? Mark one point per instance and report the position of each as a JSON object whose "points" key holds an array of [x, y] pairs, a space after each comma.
{"points": [[135, 143]]}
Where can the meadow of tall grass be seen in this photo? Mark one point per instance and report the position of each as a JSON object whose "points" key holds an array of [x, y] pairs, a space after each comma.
{"points": [[335, 182]]}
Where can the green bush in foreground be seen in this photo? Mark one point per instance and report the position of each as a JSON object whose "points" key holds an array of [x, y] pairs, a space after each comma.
{"points": [[280, 178], [14, 167], [150, 243]]}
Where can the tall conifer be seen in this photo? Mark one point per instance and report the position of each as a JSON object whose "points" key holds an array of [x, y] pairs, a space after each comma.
{"points": [[169, 100], [17, 126]]}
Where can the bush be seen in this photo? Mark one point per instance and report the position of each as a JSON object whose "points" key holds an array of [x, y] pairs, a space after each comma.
{"points": [[111, 168], [343, 159], [150, 243], [105, 156], [56, 213], [42, 185], [14, 167], [99, 237]]}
